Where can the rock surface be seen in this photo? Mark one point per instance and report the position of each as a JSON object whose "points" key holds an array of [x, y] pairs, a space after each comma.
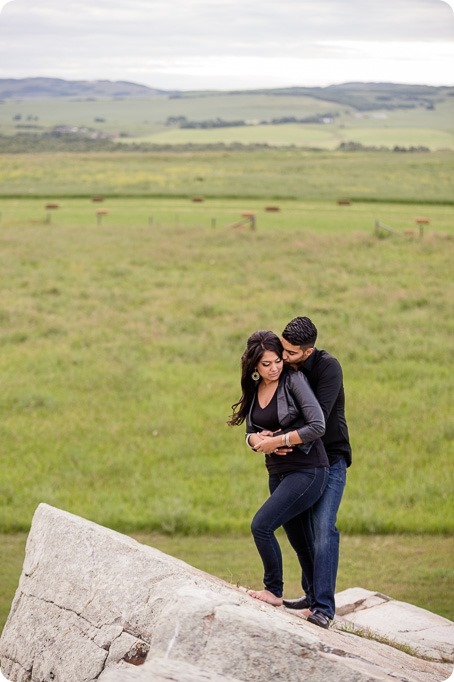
{"points": [[93, 604], [427, 634]]}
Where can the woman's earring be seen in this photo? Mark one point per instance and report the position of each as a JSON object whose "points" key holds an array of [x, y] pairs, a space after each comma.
{"points": [[255, 375]]}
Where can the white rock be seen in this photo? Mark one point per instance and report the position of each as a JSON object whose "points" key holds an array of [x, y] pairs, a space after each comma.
{"points": [[95, 605], [426, 633]]}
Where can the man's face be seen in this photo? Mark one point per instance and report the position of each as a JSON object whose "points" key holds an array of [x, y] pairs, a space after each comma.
{"points": [[294, 355]]}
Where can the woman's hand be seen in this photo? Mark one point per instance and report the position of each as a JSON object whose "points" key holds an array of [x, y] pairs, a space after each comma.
{"points": [[270, 444]]}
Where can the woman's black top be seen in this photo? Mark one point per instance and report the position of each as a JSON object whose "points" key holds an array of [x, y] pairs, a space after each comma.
{"points": [[292, 407]]}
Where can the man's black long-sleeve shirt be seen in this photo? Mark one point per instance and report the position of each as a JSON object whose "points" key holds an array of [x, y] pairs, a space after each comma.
{"points": [[324, 374]]}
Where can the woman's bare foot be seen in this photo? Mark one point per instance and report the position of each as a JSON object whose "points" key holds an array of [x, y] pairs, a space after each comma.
{"points": [[266, 596]]}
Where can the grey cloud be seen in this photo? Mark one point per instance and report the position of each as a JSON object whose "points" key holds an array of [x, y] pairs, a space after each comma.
{"points": [[231, 21], [95, 36]]}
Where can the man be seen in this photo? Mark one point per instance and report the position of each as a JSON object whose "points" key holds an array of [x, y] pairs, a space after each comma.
{"points": [[314, 535]]}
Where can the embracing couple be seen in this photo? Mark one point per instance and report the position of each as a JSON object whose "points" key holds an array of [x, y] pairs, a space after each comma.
{"points": [[293, 404]]}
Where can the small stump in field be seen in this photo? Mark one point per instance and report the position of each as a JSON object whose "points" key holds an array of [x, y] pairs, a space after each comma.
{"points": [[248, 218], [421, 222], [97, 197], [272, 209], [49, 208], [100, 213], [344, 202], [198, 199]]}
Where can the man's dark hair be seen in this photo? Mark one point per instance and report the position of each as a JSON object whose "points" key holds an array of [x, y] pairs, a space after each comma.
{"points": [[301, 331]]}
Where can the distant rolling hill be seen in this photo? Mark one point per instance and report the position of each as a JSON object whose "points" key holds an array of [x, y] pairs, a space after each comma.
{"points": [[45, 88], [46, 113], [361, 96]]}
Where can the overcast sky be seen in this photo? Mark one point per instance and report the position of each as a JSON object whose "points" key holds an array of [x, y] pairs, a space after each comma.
{"points": [[225, 44]]}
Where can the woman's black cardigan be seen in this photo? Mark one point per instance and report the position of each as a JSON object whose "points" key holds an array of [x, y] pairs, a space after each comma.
{"points": [[298, 410]]}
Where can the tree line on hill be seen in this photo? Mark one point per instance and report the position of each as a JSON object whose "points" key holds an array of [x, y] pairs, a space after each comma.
{"points": [[30, 143], [183, 122]]}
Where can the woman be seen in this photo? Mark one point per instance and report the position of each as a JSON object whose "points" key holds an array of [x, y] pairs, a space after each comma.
{"points": [[285, 422]]}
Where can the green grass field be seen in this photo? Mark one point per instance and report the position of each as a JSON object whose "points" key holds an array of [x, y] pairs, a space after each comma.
{"points": [[121, 343], [327, 137], [265, 174]]}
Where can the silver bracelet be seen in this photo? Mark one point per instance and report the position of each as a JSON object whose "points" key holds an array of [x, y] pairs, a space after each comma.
{"points": [[248, 443], [287, 439]]}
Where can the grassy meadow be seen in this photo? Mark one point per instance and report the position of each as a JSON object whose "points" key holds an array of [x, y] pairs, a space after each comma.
{"points": [[121, 341], [262, 174], [326, 137], [121, 346]]}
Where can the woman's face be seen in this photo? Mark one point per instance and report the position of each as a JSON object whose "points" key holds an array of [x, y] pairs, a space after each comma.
{"points": [[270, 366]]}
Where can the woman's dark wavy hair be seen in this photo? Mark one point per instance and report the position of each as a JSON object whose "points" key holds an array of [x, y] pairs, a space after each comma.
{"points": [[257, 344]]}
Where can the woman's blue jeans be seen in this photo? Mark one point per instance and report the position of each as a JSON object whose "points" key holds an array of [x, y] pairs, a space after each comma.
{"points": [[291, 494], [315, 539]]}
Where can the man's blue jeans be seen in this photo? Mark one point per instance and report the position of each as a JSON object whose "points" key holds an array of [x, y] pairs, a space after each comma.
{"points": [[315, 539], [291, 494]]}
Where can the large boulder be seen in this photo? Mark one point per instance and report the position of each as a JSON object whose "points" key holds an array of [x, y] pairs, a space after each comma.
{"points": [[93, 604]]}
